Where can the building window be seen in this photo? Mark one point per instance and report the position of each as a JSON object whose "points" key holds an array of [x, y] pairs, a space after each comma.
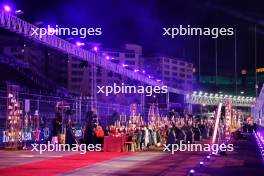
{"points": [[114, 54], [174, 62], [166, 60], [130, 62], [77, 73], [167, 72], [76, 79], [174, 74], [189, 76], [75, 65], [174, 68], [75, 87], [182, 69], [115, 61], [167, 66], [167, 79], [130, 55], [182, 63], [98, 74], [182, 75]]}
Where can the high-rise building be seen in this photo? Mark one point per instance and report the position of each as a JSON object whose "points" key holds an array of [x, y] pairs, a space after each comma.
{"points": [[173, 72]]}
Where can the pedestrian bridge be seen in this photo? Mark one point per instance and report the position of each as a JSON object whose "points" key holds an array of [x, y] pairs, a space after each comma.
{"points": [[23, 28]]}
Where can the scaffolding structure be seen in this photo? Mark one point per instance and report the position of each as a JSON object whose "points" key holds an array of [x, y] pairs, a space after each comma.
{"points": [[153, 114], [12, 133], [23, 28], [214, 99]]}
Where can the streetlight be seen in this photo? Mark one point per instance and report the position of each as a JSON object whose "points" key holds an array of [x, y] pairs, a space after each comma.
{"points": [[19, 12], [7, 8], [80, 44], [95, 48]]}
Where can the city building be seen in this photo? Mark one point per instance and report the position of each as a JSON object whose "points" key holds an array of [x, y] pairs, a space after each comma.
{"points": [[173, 72], [244, 84], [80, 72]]}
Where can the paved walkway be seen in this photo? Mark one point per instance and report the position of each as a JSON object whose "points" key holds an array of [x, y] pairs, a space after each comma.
{"points": [[244, 161]]}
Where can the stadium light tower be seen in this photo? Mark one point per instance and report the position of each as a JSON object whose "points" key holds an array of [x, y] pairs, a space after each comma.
{"points": [[7, 8]]}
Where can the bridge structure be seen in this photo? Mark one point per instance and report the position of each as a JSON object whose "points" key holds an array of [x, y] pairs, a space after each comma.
{"points": [[14, 24], [205, 99]]}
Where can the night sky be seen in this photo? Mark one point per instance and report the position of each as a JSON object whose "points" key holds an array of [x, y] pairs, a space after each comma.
{"points": [[141, 22]]}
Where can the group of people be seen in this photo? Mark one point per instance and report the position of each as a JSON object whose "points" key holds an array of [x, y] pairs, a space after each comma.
{"points": [[145, 135], [164, 132]]}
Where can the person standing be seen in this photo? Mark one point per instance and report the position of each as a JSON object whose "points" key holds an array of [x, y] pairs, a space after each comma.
{"points": [[139, 139]]}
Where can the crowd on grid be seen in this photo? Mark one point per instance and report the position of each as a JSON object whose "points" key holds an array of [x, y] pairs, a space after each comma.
{"points": [[166, 130], [154, 134]]}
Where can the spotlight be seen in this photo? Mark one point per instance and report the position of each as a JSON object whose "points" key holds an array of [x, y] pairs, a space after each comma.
{"points": [[136, 70], [80, 44], [201, 164], [95, 48], [107, 57], [192, 172], [208, 157], [19, 12], [125, 65], [7, 8]]}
